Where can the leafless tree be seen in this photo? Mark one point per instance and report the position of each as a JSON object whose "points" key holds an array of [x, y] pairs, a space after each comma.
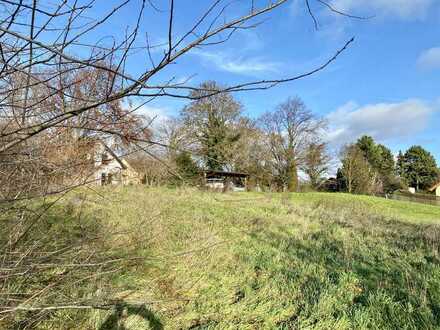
{"points": [[316, 162], [289, 129], [250, 154]]}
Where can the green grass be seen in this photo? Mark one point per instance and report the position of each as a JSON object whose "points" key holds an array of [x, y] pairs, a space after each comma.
{"points": [[405, 211], [271, 261]]}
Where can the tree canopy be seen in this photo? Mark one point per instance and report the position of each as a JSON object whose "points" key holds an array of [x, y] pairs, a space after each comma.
{"points": [[211, 123], [418, 167], [381, 159], [375, 167], [316, 163], [289, 129]]}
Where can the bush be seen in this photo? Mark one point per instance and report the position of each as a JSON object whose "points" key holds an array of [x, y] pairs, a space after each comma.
{"points": [[52, 256]]}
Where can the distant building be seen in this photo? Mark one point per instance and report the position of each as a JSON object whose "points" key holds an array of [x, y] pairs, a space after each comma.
{"points": [[435, 189], [330, 185], [226, 181], [111, 168]]}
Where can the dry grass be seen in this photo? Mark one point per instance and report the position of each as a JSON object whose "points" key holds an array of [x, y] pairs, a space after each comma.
{"points": [[268, 261]]}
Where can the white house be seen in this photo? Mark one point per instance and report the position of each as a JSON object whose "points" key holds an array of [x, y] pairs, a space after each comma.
{"points": [[111, 168], [435, 189]]}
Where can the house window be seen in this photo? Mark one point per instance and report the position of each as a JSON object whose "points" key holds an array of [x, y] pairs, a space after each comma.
{"points": [[105, 158], [103, 179]]}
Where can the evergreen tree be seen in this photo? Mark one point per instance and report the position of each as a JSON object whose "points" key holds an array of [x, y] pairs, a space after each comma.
{"points": [[187, 168], [369, 149], [381, 161], [211, 122], [356, 171], [418, 167], [399, 164], [341, 181]]}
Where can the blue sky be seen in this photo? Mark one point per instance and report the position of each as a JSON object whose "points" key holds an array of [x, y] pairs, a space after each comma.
{"points": [[387, 84]]}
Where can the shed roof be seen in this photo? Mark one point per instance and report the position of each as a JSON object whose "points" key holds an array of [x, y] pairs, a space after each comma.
{"points": [[226, 174]]}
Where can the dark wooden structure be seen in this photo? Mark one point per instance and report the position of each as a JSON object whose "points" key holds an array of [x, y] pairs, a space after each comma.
{"points": [[225, 181]]}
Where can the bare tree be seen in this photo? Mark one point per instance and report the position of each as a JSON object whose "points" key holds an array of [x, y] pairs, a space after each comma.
{"points": [[289, 130], [316, 162], [173, 134], [250, 155]]}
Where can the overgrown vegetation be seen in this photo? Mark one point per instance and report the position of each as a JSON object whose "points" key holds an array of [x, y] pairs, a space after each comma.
{"points": [[73, 256], [56, 258], [71, 83], [255, 260]]}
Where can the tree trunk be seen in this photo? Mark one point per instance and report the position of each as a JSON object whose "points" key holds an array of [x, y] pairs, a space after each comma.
{"points": [[293, 177]]}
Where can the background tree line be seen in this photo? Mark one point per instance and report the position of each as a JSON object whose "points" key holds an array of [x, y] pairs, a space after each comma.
{"points": [[278, 148], [213, 133], [371, 168]]}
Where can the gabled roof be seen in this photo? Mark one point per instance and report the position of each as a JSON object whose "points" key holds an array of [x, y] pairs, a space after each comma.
{"points": [[116, 157], [434, 187]]}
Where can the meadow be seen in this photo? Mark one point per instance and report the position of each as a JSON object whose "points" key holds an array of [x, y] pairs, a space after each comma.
{"points": [[262, 260]]}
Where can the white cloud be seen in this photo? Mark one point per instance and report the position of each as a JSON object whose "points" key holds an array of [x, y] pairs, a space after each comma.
{"points": [[382, 121], [429, 59], [157, 115], [237, 64], [405, 9]]}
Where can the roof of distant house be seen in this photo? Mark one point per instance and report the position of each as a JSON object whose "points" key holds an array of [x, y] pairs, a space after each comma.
{"points": [[111, 152], [434, 187]]}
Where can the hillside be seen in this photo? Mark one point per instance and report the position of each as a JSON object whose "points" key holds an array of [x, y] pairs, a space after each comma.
{"points": [[268, 261]]}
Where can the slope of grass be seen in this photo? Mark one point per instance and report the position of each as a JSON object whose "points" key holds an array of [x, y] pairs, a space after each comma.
{"points": [[407, 211], [271, 261]]}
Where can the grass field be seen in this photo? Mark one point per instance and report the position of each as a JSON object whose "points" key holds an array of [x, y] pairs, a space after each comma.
{"points": [[269, 261]]}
